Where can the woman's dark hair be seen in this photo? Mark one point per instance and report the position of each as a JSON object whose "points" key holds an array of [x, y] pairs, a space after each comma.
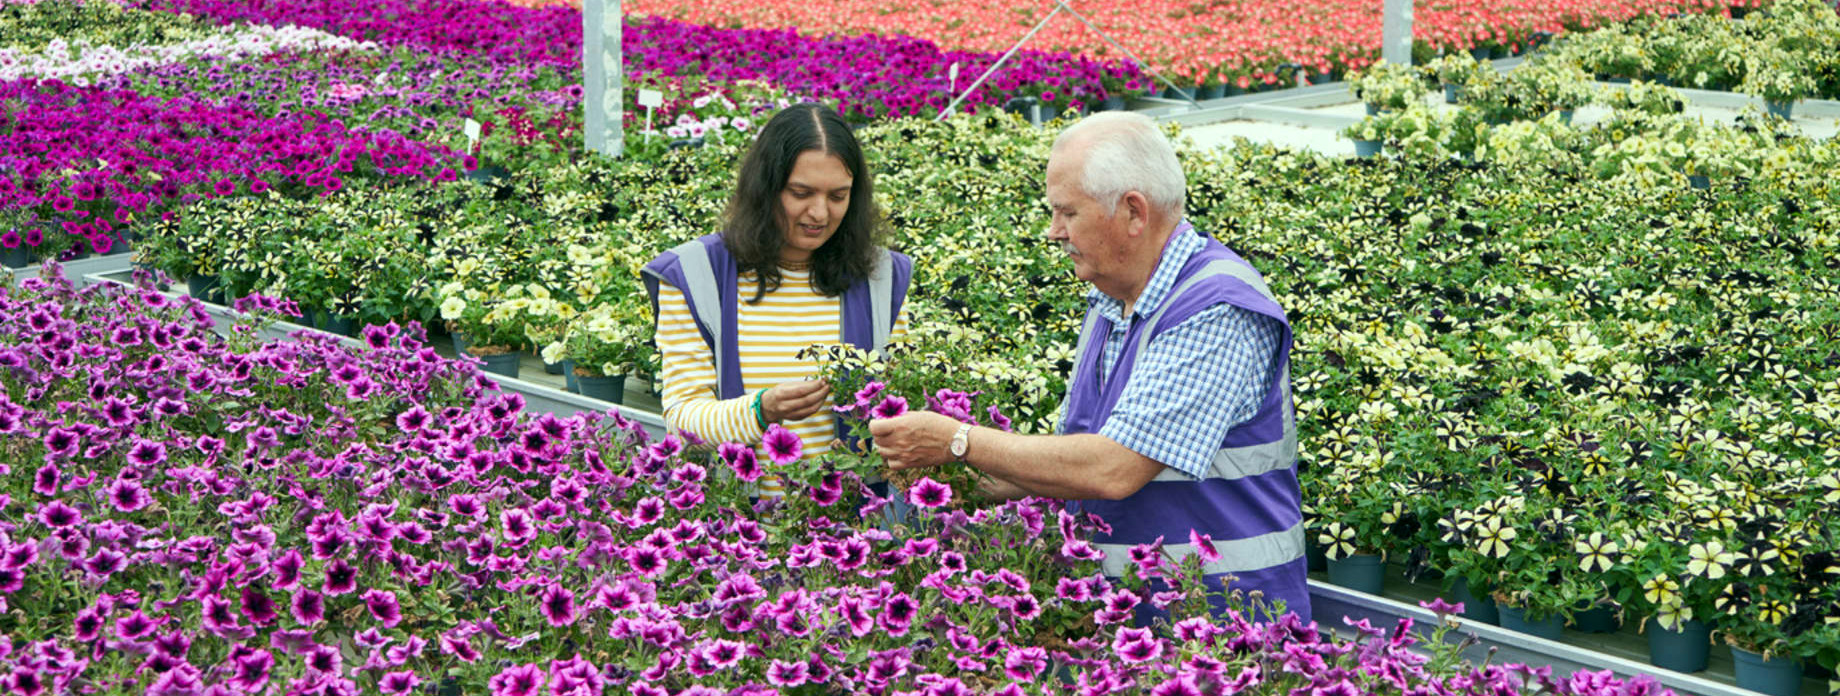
{"points": [[751, 224]]}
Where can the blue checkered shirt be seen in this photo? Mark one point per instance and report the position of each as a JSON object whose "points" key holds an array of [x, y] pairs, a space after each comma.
{"points": [[1193, 382]]}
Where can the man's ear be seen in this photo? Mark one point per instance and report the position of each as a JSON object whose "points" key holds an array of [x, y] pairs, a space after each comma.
{"points": [[1137, 212]]}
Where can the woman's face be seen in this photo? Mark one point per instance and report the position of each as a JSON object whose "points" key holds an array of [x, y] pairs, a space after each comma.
{"points": [[812, 205]]}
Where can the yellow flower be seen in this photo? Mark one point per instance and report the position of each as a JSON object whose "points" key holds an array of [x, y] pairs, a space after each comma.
{"points": [[1493, 539], [1671, 616], [452, 308], [1337, 540], [1661, 590], [1596, 553], [1709, 559], [1773, 611]]}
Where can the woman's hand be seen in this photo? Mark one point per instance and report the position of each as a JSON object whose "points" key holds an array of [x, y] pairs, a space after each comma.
{"points": [[791, 401]]}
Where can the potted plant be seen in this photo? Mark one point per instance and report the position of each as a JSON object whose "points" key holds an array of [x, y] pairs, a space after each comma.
{"points": [[606, 343], [477, 319], [1779, 77], [1370, 133], [1387, 87], [1454, 70]]}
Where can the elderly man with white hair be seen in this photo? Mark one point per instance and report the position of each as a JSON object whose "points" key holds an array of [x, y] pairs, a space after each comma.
{"points": [[1178, 423]]}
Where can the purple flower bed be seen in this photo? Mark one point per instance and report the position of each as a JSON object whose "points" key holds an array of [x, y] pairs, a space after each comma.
{"points": [[869, 75], [183, 513], [83, 164]]}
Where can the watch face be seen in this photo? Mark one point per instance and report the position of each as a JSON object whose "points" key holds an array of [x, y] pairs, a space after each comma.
{"points": [[958, 446]]}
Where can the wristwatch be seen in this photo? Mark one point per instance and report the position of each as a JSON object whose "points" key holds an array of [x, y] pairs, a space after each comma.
{"points": [[961, 441]]}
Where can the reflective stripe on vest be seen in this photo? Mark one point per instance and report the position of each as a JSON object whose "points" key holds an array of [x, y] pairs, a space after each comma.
{"points": [[700, 277], [1229, 463], [881, 295], [1236, 555]]}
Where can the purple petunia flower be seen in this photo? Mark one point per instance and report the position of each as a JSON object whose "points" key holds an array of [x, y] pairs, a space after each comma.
{"points": [[134, 626], [383, 606], [890, 407], [341, 578], [56, 514], [1137, 645], [309, 607], [518, 680], [930, 494], [1204, 546], [1437, 605], [742, 459], [127, 496], [259, 607], [786, 675], [782, 445], [252, 671], [558, 605], [898, 613], [400, 683], [45, 482]]}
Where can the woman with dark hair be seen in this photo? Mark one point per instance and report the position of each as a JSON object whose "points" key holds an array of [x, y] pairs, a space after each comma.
{"points": [[798, 262]]}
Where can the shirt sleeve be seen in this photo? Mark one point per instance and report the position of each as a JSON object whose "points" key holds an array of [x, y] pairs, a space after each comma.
{"points": [[1192, 384], [690, 390]]}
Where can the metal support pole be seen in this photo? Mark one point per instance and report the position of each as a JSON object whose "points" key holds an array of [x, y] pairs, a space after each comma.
{"points": [[943, 113], [1396, 32], [1189, 94], [603, 75], [1060, 5]]}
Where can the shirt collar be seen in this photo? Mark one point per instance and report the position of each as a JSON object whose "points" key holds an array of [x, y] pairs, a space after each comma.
{"points": [[1182, 244]]}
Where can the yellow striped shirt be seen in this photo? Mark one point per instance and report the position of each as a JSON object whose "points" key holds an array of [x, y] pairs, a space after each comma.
{"points": [[771, 335]]}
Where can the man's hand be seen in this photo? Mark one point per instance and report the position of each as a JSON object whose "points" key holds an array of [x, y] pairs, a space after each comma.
{"points": [[792, 401], [918, 439]]}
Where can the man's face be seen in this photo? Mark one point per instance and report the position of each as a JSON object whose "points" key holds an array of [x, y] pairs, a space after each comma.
{"points": [[1091, 238]]}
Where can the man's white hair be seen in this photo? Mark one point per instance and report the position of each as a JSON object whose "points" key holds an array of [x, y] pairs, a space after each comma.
{"points": [[1126, 152]]}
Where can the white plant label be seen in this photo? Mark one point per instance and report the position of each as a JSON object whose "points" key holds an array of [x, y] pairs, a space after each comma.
{"points": [[651, 98], [472, 130]]}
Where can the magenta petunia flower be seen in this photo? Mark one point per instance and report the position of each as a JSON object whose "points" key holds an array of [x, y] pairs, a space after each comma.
{"points": [[134, 626], [286, 570], [308, 607], [1137, 645], [645, 561], [57, 514], [786, 675], [898, 613], [928, 493], [889, 408], [517, 680], [105, 563], [782, 445], [258, 606], [868, 393], [1025, 664], [741, 459], [1204, 546], [87, 625], [1182, 685], [1437, 605], [252, 671], [399, 683], [45, 482], [341, 578], [383, 606], [413, 420], [147, 453], [558, 605]]}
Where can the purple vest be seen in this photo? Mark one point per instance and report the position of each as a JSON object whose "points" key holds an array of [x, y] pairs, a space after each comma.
{"points": [[1250, 503], [706, 273]]}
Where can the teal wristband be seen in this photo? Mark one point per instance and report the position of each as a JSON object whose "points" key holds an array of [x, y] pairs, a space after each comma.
{"points": [[760, 416]]}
